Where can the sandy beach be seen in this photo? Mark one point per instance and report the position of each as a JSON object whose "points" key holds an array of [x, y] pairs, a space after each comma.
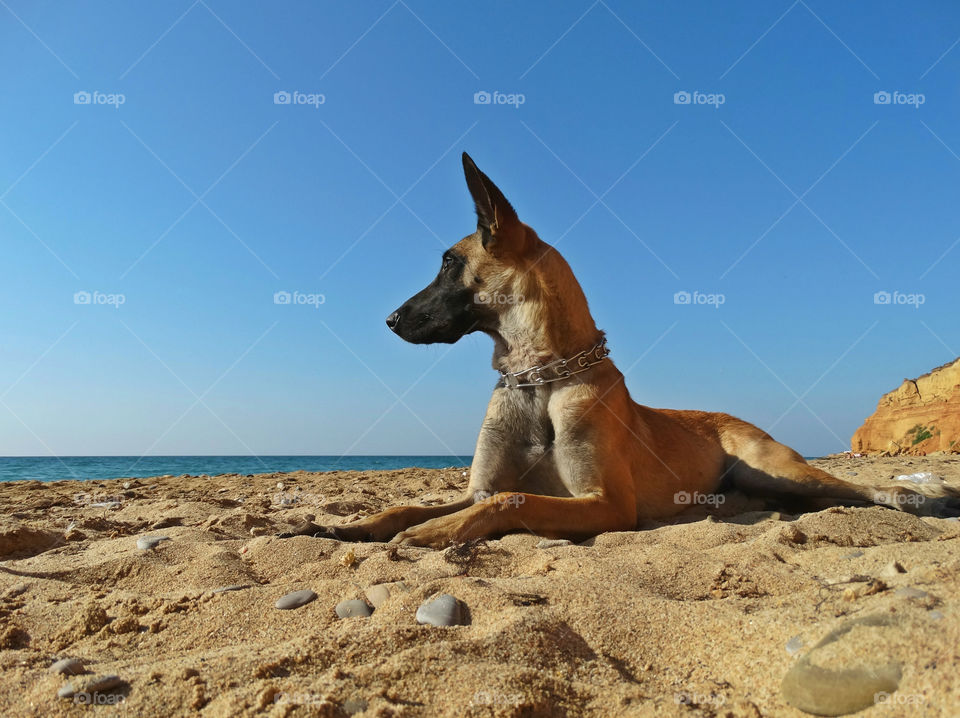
{"points": [[702, 615]]}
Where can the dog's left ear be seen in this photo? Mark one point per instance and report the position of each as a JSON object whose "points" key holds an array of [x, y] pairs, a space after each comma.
{"points": [[497, 221]]}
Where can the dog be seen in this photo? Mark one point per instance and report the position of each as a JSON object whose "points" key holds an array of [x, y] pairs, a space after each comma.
{"points": [[564, 452]]}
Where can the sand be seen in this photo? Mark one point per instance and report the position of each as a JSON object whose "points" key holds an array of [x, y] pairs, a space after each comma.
{"points": [[690, 617]]}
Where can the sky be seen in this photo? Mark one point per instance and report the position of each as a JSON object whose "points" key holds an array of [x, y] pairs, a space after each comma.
{"points": [[759, 199]]}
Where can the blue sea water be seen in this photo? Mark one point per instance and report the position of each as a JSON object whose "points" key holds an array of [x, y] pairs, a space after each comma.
{"points": [[53, 468]]}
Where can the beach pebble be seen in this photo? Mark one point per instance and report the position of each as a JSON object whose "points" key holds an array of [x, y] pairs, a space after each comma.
{"points": [[935, 615], [382, 591], [295, 599], [852, 554], [794, 645], [145, 543], [127, 484], [93, 684], [909, 592], [444, 610], [353, 608], [224, 589], [68, 666], [553, 543], [834, 692]]}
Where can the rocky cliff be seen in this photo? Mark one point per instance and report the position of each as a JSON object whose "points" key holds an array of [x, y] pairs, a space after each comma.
{"points": [[919, 417]]}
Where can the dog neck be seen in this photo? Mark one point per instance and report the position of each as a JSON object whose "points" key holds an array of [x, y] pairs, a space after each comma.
{"points": [[538, 332]]}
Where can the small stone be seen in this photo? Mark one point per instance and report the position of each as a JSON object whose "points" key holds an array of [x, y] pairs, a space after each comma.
{"points": [[353, 609], [909, 592], [935, 615], [145, 543], [295, 599], [444, 610], [280, 485], [127, 484], [852, 554], [224, 589], [348, 559], [382, 591], [68, 666], [893, 568], [88, 686], [553, 543]]}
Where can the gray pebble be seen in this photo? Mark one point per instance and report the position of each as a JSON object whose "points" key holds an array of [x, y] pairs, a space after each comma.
{"points": [[93, 684], [444, 610], [909, 592], [295, 599], [839, 691], [145, 543], [935, 615], [354, 608], [794, 645], [68, 666], [553, 543], [852, 554]]}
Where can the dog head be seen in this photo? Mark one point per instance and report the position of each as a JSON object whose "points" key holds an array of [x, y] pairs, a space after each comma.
{"points": [[481, 278]]}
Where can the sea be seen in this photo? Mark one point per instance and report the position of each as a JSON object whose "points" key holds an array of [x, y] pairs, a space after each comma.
{"points": [[55, 468]]}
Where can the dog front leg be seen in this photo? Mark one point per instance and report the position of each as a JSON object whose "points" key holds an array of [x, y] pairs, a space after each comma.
{"points": [[381, 526], [551, 516]]}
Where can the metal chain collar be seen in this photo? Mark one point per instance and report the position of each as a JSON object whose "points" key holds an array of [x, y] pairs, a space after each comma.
{"points": [[556, 370]]}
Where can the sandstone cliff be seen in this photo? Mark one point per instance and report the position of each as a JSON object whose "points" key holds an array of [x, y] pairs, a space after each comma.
{"points": [[919, 417]]}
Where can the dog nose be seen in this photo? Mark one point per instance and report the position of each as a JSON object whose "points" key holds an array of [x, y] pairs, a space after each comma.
{"points": [[393, 319]]}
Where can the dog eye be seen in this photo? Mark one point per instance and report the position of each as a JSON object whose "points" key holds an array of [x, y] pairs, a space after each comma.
{"points": [[447, 261]]}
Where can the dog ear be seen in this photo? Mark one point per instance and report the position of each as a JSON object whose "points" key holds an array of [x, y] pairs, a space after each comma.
{"points": [[496, 218]]}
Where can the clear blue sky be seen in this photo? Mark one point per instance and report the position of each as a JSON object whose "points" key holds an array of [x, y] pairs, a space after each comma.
{"points": [[198, 198]]}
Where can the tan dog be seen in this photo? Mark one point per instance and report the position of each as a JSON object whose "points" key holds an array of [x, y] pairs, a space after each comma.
{"points": [[563, 451]]}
